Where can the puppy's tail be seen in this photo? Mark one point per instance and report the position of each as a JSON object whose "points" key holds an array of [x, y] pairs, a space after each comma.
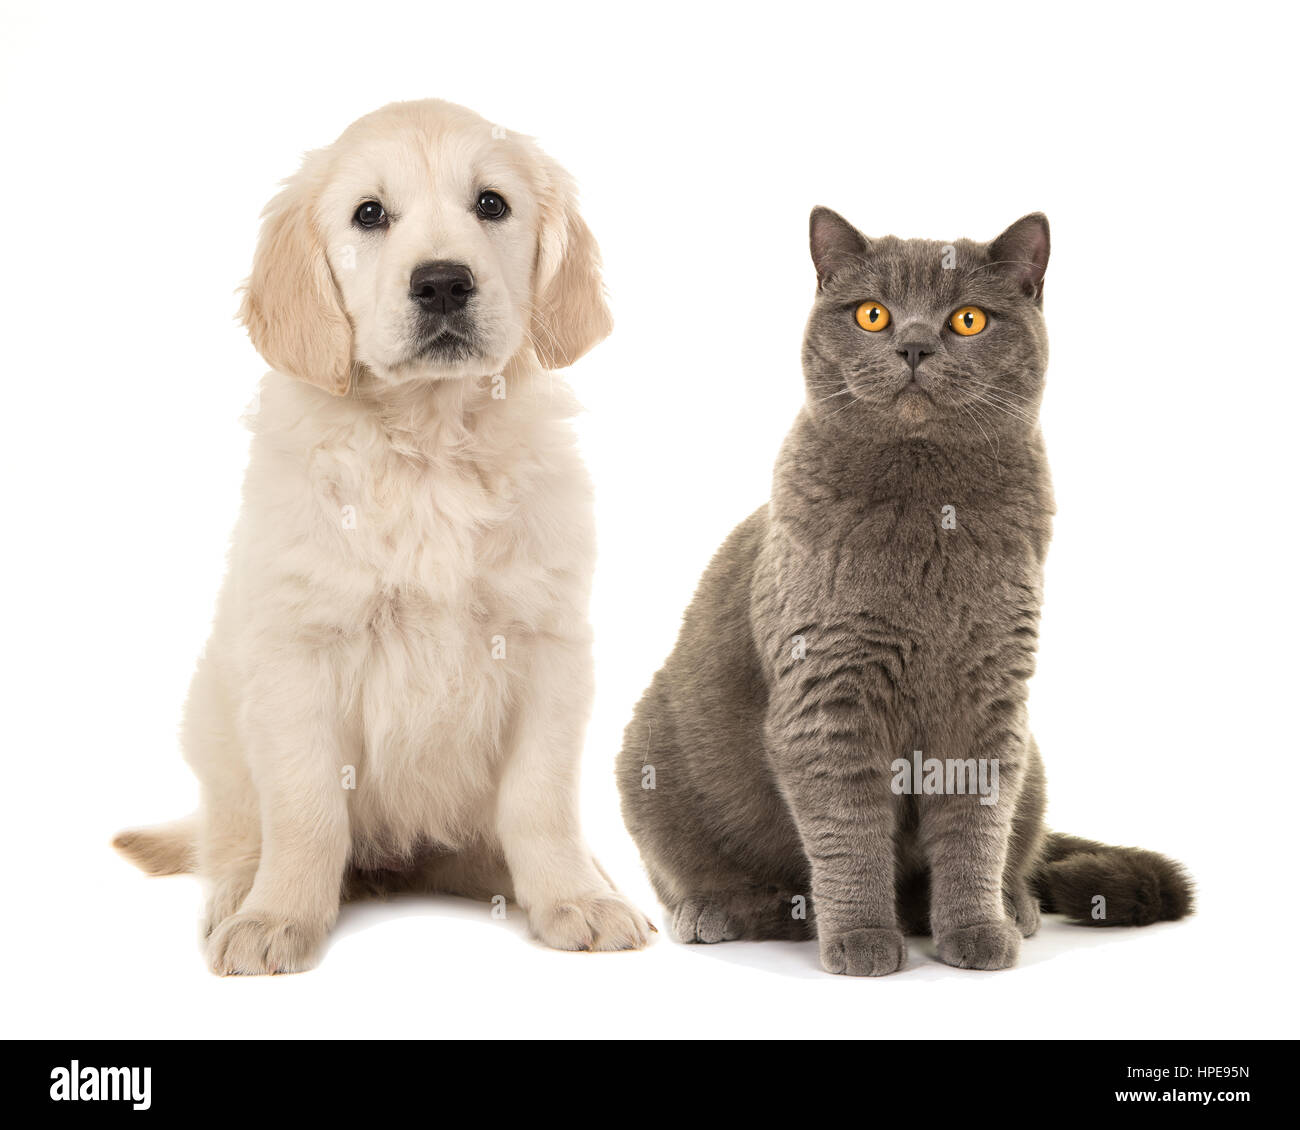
{"points": [[163, 849], [1136, 887]]}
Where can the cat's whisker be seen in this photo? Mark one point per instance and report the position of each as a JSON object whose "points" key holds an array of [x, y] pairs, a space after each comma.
{"points": [[965, 411], [845, 408], [1004, 392], [996, 448], [993, 395], [1006, 409], [842, 392], [1025, 411]]}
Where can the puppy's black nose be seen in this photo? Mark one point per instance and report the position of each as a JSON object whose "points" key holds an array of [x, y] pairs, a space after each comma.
{"points": [[913, 351], [442, 287]]}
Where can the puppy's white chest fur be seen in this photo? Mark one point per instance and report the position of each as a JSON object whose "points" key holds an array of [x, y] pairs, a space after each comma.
{"points": [[421, 548]]}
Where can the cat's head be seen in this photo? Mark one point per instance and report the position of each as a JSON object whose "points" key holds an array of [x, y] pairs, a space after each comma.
{"points": [[914, 337]]}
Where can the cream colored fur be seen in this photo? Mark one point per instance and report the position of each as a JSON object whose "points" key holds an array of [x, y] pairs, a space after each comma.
{"points": [[406, 604]]}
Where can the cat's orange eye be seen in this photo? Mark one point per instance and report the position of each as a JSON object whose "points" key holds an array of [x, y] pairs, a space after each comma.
{"points": [[872, 316], [968, 321]]}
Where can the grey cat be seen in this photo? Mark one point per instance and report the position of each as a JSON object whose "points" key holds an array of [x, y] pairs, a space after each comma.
{"points": [[837, 745]]}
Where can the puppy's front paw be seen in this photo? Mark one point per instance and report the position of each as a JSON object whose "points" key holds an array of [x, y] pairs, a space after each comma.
{"points": [[258, 942], [986, 945], [868, 952], [225, 899], [605, 921]]}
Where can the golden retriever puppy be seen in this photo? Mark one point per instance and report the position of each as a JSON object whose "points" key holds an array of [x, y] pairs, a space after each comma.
{"points": [[399, 675]]}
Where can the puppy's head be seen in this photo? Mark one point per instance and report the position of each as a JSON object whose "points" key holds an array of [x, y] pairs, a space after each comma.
{"points": [[425, 244]]}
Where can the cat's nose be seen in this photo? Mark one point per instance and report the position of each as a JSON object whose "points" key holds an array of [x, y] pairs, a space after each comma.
{"points": [[913, 351]]}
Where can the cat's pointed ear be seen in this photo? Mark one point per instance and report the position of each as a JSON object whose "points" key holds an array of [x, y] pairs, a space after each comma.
{"points": [[1021, 252], [834, 242]]}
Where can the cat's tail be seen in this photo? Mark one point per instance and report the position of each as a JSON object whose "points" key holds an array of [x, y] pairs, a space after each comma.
{"points": [[1096, 884], [163, 849]]}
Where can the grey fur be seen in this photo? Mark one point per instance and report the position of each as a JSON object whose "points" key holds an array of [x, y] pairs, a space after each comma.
{"points": [[842, 626]]}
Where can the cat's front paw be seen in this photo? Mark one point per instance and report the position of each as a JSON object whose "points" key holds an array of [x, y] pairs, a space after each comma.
{"points": [[702, 920], [1022, 908], [986, 945], [865, 952], [604, 921]]}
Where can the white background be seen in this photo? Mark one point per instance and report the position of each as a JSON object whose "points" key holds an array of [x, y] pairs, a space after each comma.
{"points": [[140, 144]]}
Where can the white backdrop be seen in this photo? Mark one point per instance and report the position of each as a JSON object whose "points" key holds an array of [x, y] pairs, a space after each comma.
{"points": [[141, 144]]}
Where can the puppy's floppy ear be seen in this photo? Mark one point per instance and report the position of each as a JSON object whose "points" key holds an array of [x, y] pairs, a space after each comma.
{"points": [[569, 310], [291, 304]]}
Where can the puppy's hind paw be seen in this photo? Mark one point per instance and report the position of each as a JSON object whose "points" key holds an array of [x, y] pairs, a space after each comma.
{"points": [[604, 921], [257, 942]]}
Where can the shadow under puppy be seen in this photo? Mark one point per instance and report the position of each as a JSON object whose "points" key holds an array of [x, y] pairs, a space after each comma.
{"points": [[398, 680], [885, 601]]}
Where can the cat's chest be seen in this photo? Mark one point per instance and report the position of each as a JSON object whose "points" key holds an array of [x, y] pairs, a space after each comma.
{"points": [[898, 539], [923, 609], [910, 515], [924, 570]]}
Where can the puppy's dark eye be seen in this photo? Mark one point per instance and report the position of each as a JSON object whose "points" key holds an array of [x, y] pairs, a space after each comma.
{"points": [[371, 214], [491, 205]]}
